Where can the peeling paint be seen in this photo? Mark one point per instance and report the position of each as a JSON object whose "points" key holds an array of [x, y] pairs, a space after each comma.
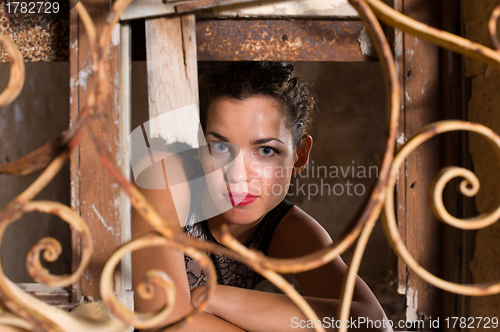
{"points": [[115, 36], [411, 305], [365, 43], [407, 96], [401, 288], [83, 75], [401, 139], [103, 222]]}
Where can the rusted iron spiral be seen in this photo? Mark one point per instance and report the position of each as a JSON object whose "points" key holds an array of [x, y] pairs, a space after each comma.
{"points": [[151, 281], [436, 190]]}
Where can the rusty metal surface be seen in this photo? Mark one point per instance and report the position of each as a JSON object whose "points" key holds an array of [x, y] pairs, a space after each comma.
{"points": [[39, 37], [298, 40]]}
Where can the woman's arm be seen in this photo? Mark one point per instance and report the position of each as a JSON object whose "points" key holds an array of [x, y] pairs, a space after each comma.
{"points": [[167, 260], [296, 235], [260, 311]]}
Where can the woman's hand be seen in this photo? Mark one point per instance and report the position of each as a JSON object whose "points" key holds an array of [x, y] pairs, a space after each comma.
{"points": [[197, 296]]}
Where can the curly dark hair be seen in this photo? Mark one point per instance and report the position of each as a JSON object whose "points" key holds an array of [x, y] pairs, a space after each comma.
{"points": [[241, 80]]}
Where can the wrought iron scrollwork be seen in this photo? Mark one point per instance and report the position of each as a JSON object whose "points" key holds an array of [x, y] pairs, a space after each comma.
{"points": [[21, 310]]}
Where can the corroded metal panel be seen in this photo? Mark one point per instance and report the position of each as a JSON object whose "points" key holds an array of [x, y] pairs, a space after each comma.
{"points": [[283, 40], [39, 36]]}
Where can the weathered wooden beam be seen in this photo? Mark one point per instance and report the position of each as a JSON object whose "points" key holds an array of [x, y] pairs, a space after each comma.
{"points": [[172, 84], [156, 8], [338, 9], [172, 68], [419, 67], [95, 195], [55, 296]]}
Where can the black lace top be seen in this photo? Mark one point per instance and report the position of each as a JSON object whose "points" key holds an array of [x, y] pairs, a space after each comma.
{"points": [[231, 272]]}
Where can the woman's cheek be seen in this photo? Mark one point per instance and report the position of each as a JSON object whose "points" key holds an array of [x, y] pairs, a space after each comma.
{"points": [[273, 180]]}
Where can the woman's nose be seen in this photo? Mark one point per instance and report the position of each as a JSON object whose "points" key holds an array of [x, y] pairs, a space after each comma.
{"points": [[236, 169]]}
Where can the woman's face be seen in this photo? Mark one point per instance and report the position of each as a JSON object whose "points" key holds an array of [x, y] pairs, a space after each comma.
{"points": [[250, 143]]}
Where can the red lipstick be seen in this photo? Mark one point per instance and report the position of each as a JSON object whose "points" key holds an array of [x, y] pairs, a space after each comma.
{"points": [[240, 199]]}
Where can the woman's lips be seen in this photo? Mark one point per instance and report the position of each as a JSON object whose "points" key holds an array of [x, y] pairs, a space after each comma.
{"points": [[240, 199]]}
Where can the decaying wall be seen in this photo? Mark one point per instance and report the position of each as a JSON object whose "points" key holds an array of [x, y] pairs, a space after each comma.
{"points": [[484, 107]]}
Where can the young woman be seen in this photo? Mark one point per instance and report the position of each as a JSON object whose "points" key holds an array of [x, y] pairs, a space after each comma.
{"points": [[256, 119]]}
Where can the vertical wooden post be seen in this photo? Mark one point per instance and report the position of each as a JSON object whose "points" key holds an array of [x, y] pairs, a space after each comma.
{"points": [[125, 63], [74, 109], [399, 274], [95, 195], [420, 70], [172, 63], [423, 105]]}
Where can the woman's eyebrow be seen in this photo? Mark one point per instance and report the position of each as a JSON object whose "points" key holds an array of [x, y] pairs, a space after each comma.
{"points": [[254, 142], [265, 140], [219, 136]]}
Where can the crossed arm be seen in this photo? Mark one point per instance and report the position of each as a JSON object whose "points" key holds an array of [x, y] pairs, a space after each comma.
{"points": [[260, 311]]}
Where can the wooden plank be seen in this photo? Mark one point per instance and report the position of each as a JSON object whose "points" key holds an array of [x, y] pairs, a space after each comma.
{"points": [[337, 9], [172, 64], [55, 296], [281, 40], [334, 9], [74, 162], [423, 105], [126, 292], [172, 86], [398, 276], [98, 199], [157, 8]]}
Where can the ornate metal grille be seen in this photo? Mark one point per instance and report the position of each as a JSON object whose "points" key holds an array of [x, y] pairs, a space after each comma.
{"points": [[19, 309]]}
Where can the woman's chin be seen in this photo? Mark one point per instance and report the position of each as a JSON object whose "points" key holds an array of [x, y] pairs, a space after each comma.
{"points": [[241, 215]]}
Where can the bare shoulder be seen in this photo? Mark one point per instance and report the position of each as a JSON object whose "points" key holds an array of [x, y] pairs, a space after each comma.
{"points": [[298, 234], [162, 177], [152, 170]]}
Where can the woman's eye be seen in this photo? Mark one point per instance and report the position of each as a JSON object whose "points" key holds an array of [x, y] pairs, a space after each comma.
{"points": [[267, 151], [219, 147]]}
